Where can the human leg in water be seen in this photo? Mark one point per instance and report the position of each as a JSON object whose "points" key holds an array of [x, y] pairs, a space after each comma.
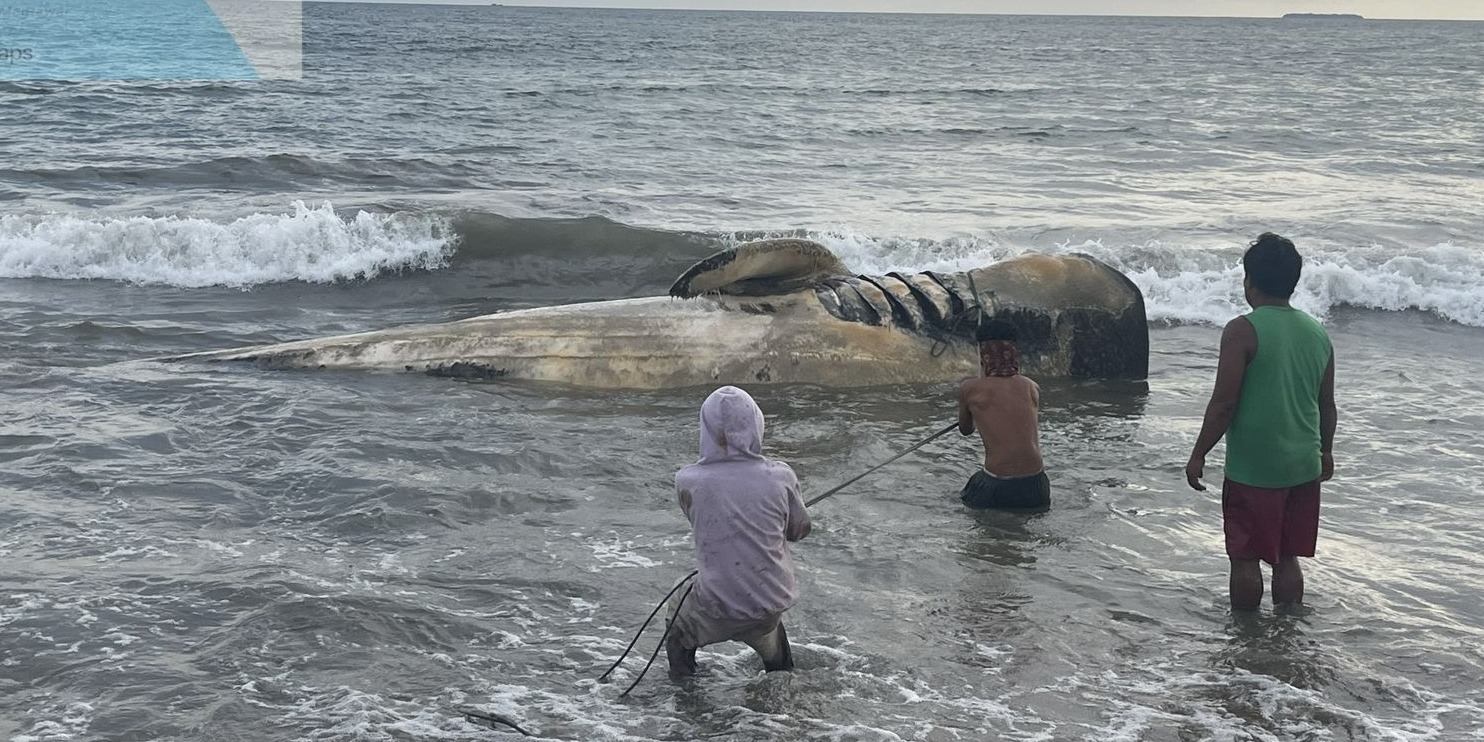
{"points": [[1288, 583], [1245, 586], [774, 650], [682, 659]]}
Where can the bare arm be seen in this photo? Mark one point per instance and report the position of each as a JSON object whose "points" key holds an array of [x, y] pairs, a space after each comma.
{"points": [[1328, 417], [1238, 344], [965, 418]]}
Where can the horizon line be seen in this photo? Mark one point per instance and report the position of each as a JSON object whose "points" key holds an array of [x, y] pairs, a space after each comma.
{"points": [[484, 4]]}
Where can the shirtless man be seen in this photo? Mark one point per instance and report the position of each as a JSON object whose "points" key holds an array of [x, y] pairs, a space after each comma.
{"points": [[1003, 406]]}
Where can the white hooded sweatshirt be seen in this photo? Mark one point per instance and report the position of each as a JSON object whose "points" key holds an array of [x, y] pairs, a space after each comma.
{"points": [[743, 509]]}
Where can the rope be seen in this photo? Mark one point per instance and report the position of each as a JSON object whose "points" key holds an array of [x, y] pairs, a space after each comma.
{"points": [[489, 720], [652, 614], [945, 337], [693, 573], [858, 477], [661, 643]]}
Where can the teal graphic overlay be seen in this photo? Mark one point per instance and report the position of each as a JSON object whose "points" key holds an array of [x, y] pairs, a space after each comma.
{"points": [[117, 40]]}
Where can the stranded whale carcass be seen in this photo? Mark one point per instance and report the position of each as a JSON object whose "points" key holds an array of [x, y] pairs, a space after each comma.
{"points": [[773, 311]]}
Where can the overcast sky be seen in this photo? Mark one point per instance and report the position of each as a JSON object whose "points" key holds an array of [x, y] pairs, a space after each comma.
{"points": [[1442, 9]]}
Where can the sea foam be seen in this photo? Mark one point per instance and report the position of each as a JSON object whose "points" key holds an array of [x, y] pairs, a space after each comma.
{"points": [[1193, 285], [312, 244], [1182, 283]]}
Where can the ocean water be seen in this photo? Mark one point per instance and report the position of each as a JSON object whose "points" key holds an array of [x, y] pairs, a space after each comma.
{"points": [[213, 553]]}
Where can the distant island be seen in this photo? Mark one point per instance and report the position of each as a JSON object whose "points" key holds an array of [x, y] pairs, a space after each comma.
{"points": [[1329, 16]]}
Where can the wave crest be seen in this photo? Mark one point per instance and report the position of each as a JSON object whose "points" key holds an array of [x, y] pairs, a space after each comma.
{"points": [[313, 244], [1192, 286], [565, 259]]}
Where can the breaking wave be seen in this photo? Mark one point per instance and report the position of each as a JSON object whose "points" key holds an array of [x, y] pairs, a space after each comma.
{"points": [[1182, 283]]}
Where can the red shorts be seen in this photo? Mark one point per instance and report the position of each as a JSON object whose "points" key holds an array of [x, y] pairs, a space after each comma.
{"points": [[1263, 523]]}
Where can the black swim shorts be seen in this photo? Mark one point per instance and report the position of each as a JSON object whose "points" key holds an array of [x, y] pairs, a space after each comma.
{"points": [[986, 490]]}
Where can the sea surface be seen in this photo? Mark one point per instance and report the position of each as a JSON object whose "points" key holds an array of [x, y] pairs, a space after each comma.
{"points": [[193, 552]]}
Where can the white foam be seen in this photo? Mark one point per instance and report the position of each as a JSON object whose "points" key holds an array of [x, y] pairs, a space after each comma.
{"points": [[1185, 283], [1445, 280], [618, 552], [312, 244], [72, 722], [1139, 703]]}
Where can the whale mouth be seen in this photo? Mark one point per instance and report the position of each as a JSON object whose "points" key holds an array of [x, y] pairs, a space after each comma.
{"points": [[761, 268]]}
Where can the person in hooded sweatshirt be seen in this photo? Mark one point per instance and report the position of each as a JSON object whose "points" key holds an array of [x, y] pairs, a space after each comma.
{"points": [[743, 508]]}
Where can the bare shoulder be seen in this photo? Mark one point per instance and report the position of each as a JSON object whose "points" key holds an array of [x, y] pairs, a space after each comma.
{"points": [[1033, 390], [1237, 329], [1239, 339]]}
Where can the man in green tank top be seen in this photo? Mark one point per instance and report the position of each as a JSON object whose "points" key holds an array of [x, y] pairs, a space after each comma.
{"points": [[1274, 401]]}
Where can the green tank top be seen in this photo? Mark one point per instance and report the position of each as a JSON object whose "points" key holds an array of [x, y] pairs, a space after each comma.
{"points": [[1273, 440]]}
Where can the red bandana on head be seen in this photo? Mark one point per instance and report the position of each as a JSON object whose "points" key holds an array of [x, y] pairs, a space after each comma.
{"points": [[999, 358]]}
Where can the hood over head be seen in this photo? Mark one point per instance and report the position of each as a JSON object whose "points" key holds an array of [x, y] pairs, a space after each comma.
{"points": [[731, 426]]}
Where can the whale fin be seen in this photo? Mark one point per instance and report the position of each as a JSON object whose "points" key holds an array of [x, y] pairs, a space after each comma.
{"points": [[759, 269]]}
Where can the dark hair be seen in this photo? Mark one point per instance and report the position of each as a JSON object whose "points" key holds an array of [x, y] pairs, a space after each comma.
{"points": [[1273, 265], [995, 329]]}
